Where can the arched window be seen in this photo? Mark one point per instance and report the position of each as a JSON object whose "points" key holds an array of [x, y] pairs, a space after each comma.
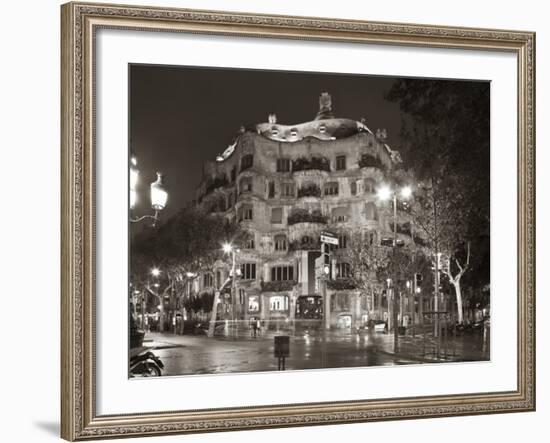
{"points": [[207, 280], [340, 214], [343, 270], [331, 188], [245, 213], [342, 241], [371, 212], [306, 239], [249, 241], [370, 185], [353, 187], [281, 243], [245, 185]]}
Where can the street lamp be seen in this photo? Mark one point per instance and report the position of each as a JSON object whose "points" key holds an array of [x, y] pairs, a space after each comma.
{"points": [[386, 193], [155, 272], [159, 194]]}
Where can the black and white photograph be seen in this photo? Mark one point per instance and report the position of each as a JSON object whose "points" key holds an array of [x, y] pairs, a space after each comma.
{"points": [[283, 221]]}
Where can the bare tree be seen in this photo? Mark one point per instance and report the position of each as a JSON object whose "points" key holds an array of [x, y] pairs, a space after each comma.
{"points": [[442, 212], [454, 270]]}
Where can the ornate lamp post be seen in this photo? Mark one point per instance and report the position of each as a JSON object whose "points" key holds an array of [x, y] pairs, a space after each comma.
{"points": [[159, 194]]}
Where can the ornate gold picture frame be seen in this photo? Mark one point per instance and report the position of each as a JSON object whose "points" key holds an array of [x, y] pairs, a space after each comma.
{"points": [[80, 22]]}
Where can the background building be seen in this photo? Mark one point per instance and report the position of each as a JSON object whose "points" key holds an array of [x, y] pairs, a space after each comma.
{"points": [[285, 184]]}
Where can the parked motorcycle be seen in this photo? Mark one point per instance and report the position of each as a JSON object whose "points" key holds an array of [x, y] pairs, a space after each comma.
{"points": [[145, 364]]}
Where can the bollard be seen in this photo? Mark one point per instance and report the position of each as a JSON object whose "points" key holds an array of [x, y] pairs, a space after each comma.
{"points": [[281, 350]]}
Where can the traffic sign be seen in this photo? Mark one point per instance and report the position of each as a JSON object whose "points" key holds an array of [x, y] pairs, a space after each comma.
{"points": [[329, 237]]}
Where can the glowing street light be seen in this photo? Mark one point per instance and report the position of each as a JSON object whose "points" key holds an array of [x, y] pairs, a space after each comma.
{"points": [[384, 193], [155, 272], [227, 248], [406, 192], [134, 178], [159, 194]]}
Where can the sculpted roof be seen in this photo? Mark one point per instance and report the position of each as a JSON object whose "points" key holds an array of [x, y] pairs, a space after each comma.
{"points": [[324, 127]]}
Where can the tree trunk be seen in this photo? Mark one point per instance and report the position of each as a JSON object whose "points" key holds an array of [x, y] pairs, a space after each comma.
{"points": [[213, 314], [459, 309], [161, 317]]}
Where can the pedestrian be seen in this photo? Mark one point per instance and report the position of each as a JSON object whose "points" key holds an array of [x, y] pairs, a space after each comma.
{"points": [[258, 328]]}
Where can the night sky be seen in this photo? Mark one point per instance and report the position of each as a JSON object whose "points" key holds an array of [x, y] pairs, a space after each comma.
{"points": [[182, 116]]}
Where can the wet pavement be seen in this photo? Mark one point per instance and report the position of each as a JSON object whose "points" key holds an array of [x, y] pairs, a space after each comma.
{"points": [[190, 354]]}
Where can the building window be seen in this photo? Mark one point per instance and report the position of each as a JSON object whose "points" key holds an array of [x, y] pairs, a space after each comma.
{"points": [[247, 161], [233, 173], [246, 184], [245, 212], [342, 241], [282, 273], [306, 240], [370, 185], [294, 132], [219, 205], [340, 215], [249, 243], [277, 215], [343, 270], [331, 188], [281, 243], [370, 211], [287, 190], [340, 162], [353, 187], [230, 201], [248, 271], [253, 303], [278, 303], [207, 280], [283, 165], [271, 190]]}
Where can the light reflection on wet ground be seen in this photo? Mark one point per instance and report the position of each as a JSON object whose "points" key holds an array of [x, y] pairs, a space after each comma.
{"points": [[190, 354]]}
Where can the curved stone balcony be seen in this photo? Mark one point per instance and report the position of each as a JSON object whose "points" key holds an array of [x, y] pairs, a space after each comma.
{"points": [[300, 216], [309, 174]]}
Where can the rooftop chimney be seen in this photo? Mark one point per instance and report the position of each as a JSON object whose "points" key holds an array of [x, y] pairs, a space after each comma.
{"points": [[325, 107]]}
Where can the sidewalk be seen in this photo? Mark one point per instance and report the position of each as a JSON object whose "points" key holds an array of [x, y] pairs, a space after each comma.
{"points": [[428, 349]]}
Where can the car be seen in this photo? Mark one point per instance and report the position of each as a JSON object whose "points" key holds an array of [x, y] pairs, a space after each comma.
{"points": [[377, 325]]}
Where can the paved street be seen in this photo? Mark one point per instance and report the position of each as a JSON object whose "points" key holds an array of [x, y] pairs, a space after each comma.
{"points": [[189, 354]]}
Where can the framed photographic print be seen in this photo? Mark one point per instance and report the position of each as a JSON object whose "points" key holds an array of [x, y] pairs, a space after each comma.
{"points": [[281, 221]]}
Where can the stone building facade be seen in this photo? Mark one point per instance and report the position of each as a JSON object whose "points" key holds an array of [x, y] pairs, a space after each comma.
{"points": [[285, 184]]}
